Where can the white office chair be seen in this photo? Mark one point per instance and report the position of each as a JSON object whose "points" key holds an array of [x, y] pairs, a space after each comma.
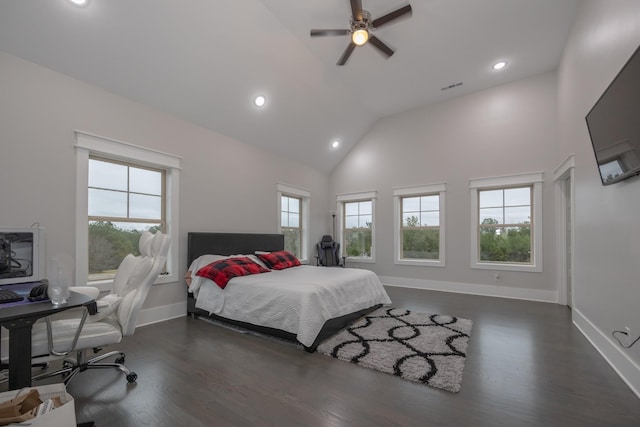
{"points": [[117, 315]]}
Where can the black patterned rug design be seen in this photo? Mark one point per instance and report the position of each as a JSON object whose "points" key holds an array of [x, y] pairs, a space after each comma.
{"points": [[425, 348]]}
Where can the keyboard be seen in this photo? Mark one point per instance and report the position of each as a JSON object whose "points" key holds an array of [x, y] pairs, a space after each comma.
{"points": [[7, 295]]}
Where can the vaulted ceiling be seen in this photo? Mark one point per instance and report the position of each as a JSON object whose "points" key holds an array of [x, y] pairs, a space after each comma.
{"points": [[205, 60]]}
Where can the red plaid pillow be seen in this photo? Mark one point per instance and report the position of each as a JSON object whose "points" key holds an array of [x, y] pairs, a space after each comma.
{"points": [[226, 269], [279, 260]]}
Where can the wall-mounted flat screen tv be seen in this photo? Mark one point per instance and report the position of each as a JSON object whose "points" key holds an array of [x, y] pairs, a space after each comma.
{"points": [[614, 125]]}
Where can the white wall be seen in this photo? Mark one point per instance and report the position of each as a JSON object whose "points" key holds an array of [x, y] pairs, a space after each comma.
{"points": [[607, 231], [226, 185], [501, 131]]}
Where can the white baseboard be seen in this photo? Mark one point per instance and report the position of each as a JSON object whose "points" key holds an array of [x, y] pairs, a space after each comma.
{"points": [[160, 314], [615, 355], [473, 289]]}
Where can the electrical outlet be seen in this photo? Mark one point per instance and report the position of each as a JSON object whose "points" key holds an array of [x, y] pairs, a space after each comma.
{"points": [[498, 276]]}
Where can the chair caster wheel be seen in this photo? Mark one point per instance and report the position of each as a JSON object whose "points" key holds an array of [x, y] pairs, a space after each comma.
{"points": [[120, 361], [132, 377]]}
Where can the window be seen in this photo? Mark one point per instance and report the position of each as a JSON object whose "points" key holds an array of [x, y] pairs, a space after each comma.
{"points": [[124, 200], [357, 213], [419, 231], [290, 223], [122, 190], [293, 214], [507, 223]]}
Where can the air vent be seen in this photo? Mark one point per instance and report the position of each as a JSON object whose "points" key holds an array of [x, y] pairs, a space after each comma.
{"points": [[451, 86]]}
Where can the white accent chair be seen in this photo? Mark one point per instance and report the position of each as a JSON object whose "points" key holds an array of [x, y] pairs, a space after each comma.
{"points": [[117, 315]]}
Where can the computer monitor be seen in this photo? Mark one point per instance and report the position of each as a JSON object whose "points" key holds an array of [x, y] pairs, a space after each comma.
{"points": [[21, 255]]}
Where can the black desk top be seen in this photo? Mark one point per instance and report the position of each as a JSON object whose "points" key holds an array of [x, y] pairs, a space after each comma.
{"points": [[26, 308]]}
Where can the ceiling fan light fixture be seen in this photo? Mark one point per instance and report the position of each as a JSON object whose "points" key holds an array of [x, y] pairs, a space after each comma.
{"points": [[360, 36], [360, 24], [80, 3]]}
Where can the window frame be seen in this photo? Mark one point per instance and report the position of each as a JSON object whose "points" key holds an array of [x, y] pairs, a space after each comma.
{"points": [[535, 180], [305, 205], [417, 191], [129, 219], [88, 145], [341, 199]]}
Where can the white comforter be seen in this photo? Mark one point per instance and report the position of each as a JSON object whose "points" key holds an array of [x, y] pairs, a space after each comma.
{"points": [[298, 300]]}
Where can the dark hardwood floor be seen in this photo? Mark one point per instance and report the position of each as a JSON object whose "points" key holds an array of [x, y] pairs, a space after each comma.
{"points": [[527, 365]]}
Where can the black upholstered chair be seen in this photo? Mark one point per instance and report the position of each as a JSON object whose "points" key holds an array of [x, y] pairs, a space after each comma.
{"points": [[329, 253]]}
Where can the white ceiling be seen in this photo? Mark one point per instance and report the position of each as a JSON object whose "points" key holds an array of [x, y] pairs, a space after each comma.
{"points": [[205, 60]]}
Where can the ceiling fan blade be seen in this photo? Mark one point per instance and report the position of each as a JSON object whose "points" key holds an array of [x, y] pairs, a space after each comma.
{"points": [[381, 46], [356, 10], [347, 53], [383, 20], [315, 33]]}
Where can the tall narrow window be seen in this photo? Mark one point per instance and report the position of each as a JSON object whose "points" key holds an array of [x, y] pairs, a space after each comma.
{"points": [[420, 225], [507, 222], [294, 205], [291, 224], [357, 226], [123, 201]]}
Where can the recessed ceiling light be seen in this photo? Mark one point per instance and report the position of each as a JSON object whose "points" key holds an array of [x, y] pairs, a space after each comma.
{"points": [[335, 143], [79, 2], [259, 101], [499, 65]]}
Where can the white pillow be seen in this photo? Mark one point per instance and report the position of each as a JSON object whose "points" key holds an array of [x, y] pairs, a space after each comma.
{"points": [[258, 261], [203, 260]]}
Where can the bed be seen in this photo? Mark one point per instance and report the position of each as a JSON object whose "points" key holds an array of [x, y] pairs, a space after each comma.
{"points": [[303, 304]]}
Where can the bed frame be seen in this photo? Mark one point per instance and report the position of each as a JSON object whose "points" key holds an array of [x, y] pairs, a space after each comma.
{"points": [[247, 243]]}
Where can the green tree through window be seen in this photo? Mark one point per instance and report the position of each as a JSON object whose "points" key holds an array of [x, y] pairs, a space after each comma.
{"points": [[358, 220], [505, 227], [291, 224], [420, 227], [109, 243]]}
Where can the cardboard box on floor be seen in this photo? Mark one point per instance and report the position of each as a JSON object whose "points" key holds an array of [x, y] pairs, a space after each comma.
{"points": [[63, 416]]}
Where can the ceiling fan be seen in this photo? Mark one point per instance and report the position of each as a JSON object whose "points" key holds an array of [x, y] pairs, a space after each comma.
{"points": [[361, 26]]}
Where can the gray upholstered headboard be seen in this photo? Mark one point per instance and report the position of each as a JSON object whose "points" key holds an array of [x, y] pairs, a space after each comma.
{"points": [[231, 243]]}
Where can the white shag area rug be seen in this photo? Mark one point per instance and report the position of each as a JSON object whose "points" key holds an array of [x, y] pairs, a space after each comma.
{"points": [[425, 348]]}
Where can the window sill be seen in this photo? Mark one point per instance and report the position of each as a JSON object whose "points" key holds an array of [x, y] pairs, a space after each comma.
{"points": [[420, 263], [530, 268], [355, 260]]}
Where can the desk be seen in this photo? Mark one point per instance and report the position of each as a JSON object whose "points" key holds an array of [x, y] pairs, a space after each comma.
{"points": [[19, 319]]}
